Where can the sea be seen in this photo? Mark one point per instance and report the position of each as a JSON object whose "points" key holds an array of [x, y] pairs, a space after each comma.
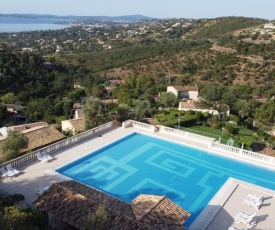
{"points": [[12, 25]]}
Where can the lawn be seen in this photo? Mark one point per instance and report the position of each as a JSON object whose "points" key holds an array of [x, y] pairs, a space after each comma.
{"points": [[214, 133]]}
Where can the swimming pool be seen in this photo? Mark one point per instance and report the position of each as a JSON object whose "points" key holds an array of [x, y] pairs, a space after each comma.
{"points": [[140, 164]]}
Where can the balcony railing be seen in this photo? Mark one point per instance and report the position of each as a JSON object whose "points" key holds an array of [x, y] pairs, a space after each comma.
{"points": [[61, 144]]}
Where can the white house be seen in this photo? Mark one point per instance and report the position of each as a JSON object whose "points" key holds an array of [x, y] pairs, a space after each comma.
{"points": [[78, 85], [188, 92], [269, 26]]}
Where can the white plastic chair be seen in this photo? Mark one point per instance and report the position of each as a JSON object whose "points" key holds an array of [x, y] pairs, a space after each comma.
{"points": [[234, 228], [41, 158], [11, 169], [254, 197], [255, 204], [248, 219], [44, 154], [6, 173]]}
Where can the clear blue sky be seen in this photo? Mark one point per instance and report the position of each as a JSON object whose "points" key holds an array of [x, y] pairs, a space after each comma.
{"points": [[152, 8]]}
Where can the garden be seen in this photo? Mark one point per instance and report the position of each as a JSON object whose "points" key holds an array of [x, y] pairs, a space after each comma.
{"points": [[227, 131]]}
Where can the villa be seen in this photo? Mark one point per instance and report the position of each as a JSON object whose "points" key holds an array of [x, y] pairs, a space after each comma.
{"points": [[68, 201], [184, 92]]}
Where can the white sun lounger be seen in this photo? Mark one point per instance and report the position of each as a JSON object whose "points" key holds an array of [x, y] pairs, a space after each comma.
{"points": [[254, 197], [248, 219], [6, 173], [44, 154], [11, 169], [234, 228], [41, 158], [255, 204]]}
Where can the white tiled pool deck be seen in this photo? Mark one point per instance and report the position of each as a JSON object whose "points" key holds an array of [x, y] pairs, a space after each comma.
{"points": [[218, 215]]}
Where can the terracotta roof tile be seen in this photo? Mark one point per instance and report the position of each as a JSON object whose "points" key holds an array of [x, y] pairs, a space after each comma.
{"points": [[167, 212], [38, 136], [143, 204], [78, 124], [188, 105], [72, 202], [160, 209], [68, 206], [41, 136], [20, 128]]}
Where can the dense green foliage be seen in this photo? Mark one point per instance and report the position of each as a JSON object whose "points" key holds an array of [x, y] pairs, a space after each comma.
{"points": [[11, 146], [232, 65], [13, 216], [225, 25], [167, 99], [108, 59], [96, 113]]}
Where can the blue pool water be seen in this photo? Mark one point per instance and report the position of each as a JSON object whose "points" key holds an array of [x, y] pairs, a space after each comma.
{"points": [[140, 164]]}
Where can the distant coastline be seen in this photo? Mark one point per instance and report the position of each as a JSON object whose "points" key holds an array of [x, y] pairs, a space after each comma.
{"points": [[13, 25]]}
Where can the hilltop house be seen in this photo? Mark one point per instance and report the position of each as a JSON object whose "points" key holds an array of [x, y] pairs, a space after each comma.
{"points": [[78, 85], [13, 111], [184, 92], [269, 26]]}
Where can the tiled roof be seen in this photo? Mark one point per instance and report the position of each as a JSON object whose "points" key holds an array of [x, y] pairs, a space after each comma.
{"points": [[80, 113], [72, 202], [41, 136], [144, 204], [38, 136], [186, 88], [21, 128], [152, 209], [188, 105], [78, 124], [99, 197]]}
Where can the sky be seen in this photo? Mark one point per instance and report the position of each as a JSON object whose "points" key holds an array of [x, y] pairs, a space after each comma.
{"points": [[152, 8]]}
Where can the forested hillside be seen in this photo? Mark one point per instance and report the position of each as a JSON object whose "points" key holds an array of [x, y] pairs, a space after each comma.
{"points": [[225, 25], [41, 89], [230, 59]]}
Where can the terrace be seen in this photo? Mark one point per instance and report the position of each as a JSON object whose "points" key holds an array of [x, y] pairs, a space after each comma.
{"points": [[223, 206]]}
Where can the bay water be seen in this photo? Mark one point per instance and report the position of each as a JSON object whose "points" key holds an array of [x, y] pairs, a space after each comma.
{"points": [[12, 25]]}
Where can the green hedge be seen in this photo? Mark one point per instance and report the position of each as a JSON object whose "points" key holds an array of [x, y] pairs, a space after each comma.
{"points": [[247, 140]]}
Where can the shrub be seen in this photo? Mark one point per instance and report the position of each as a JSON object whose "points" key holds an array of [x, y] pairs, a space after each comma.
{"points": [[188, 120], [189, 112], [247, 140], [230, 129], [233, 117], [206, 115]]}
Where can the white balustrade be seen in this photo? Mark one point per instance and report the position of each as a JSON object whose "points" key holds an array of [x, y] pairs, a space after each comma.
{"points": [[256, 157], [212, 144], [186, 135], [138, 125], [59, 145]]}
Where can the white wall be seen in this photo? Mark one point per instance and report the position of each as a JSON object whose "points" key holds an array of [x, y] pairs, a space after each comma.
{"points": [[193, 95], [66, 125], [171, 89]]}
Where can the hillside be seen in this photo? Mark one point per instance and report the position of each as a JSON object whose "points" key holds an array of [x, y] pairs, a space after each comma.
{"points": [[233, 70], [225, 25], [216, 52]]}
